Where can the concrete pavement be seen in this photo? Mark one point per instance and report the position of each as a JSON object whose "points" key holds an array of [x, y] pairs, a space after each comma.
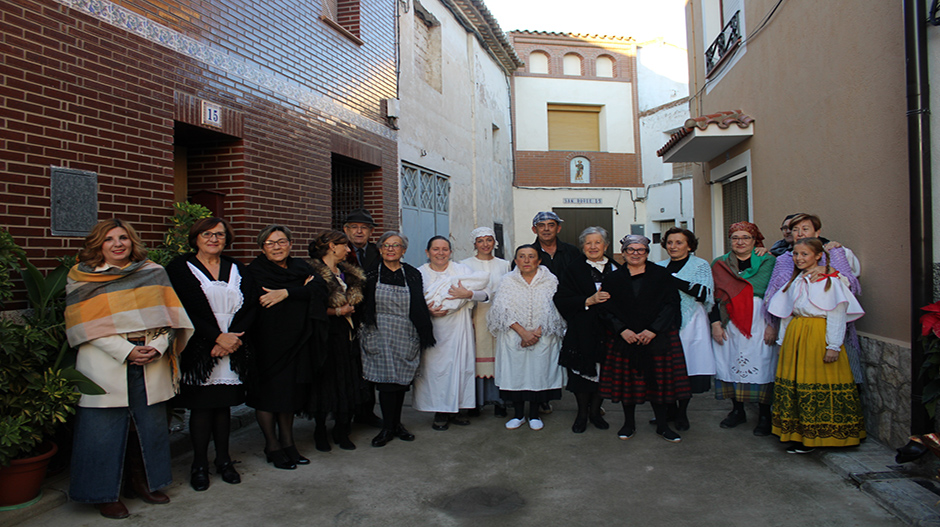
{"points": [[485, 473]]}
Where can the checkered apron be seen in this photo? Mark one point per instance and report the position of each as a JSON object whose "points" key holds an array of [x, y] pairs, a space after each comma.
{"points": [[390, 348]]}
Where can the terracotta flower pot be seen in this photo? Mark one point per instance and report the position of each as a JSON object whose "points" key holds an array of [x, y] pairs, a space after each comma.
{"points": [[20, 481]]}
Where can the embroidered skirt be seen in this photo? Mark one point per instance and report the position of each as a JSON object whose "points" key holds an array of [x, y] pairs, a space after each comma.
{"points": [[815, 402]]}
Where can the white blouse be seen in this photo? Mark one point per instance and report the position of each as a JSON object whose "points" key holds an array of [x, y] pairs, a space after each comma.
{"points": [[810, 299]]}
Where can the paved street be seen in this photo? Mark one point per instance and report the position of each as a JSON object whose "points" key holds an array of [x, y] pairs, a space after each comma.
{"points": [[485, 473]]}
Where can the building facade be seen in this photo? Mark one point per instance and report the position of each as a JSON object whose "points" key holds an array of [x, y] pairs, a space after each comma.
{"points": [[267, 112], [810, 124], [576, 133], [456, 127]]}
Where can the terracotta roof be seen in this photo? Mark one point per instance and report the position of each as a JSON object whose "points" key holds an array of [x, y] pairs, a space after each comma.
{"points": [[721, 120], [476, 18], [573, 35]]}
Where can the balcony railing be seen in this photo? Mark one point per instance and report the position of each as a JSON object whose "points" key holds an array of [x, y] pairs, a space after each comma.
{"points": [[723, 46]]}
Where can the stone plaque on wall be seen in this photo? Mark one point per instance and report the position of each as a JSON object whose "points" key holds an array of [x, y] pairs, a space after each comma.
{"points": [[74, 203]]}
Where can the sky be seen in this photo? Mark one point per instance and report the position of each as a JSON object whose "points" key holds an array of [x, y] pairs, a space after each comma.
{"points": [[641, 19]]}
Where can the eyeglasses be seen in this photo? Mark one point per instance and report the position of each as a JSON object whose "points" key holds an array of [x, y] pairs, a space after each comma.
{"points": [[205, 235], [283, 242], [629, 250], [785, 228], [741, 238], [393, 246]]}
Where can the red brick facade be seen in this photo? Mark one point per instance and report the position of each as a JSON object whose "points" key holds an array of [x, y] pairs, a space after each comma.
{"points": [[551, 169], [83, 93]]}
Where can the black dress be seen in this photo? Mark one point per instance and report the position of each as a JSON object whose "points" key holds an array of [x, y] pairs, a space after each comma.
{"points": [[337, 384], [196, 361], [585, 343], [283, 336], [634, 373]]}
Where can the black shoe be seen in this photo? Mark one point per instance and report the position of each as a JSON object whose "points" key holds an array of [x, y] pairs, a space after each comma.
{"points": [[580, 425], [669, 435], [913, 450], [735, 418], [459, 420], [295, 456], [441, 422], [545, 408], [799, 448], [599, 422], [341, 437], [763, 426], [320, 441], [384, 437], [500, 411], [280, 459], [228, 473], [403, 433], [682, 423], [473, 412], [626, 432], [199, 478]]}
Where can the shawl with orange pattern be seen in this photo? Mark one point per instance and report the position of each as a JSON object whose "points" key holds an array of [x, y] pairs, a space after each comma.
{"points": [[136, 298]]}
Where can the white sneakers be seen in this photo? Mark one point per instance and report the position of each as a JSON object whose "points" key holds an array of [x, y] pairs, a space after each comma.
{"points": [[534, 424], [514, 423]]}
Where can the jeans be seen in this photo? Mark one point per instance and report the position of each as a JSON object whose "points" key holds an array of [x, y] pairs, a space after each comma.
{"points": [[101, 438]]}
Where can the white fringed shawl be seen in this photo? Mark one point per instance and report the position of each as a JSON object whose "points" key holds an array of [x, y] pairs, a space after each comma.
{"points": [[528, 304], [695, 271]]}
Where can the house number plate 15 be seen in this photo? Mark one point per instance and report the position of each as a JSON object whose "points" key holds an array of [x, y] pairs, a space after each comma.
{"points": [[211, 114]]}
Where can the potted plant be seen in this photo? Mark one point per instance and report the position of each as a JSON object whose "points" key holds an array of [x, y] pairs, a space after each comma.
{"points": [[39, 386]]}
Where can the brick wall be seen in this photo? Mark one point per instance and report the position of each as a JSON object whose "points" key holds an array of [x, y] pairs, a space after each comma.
{"points": [[551, 169], [557, 45], [81, 93]]}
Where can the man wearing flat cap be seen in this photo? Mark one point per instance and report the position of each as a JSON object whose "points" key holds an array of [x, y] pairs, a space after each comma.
{"points": [[556, 255], [358, 227]]}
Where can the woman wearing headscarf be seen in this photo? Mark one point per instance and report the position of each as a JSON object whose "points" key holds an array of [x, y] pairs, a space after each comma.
{"points": [[484, 242], [123, 315], [293, 297], [644, 361], [579, 300], [693, 278], [221, 299], [744, 362]]}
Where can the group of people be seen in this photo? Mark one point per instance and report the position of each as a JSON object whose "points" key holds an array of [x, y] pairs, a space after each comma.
{"points": [[319, 337]]}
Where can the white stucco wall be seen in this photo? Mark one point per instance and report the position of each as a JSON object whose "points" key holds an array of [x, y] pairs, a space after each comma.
{"points": [[655, 130], [452, 131], [533, 95], [933, 64], [626, 211]]}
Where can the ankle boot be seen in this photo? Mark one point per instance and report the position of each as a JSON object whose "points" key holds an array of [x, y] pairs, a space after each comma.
{"points": [[135, 484]]}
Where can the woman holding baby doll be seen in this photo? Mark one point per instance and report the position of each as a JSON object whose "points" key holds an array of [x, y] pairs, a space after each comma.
{"points": [[444, 383]]}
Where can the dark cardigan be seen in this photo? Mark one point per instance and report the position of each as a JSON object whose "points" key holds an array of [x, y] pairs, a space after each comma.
{"points": [[418, 311], [196, 361], [584, 344]]}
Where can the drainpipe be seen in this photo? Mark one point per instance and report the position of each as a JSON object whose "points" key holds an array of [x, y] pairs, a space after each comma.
{"points": [[918, 147]]}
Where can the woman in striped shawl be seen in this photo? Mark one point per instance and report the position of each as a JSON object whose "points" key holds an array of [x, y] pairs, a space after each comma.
{"points": [[129, 326]]}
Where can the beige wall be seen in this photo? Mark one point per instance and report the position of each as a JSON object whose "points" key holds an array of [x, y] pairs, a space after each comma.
{"points": [[825, 84]]}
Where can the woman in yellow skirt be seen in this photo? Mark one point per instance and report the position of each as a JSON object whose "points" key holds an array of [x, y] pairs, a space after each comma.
{"points": [[816, 401]]}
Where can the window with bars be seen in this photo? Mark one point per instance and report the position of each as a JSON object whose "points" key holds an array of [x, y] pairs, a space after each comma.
{"points": [[348, 180]]}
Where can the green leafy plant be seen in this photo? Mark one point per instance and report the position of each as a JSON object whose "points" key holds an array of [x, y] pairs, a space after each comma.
{"points": [[176, 240], [930, 368], [39, 386]]}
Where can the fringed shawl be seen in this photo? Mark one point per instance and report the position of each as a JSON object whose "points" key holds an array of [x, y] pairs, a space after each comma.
{"points": [[529, 304], [735, 289], [695, 271], [136, 298]]}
